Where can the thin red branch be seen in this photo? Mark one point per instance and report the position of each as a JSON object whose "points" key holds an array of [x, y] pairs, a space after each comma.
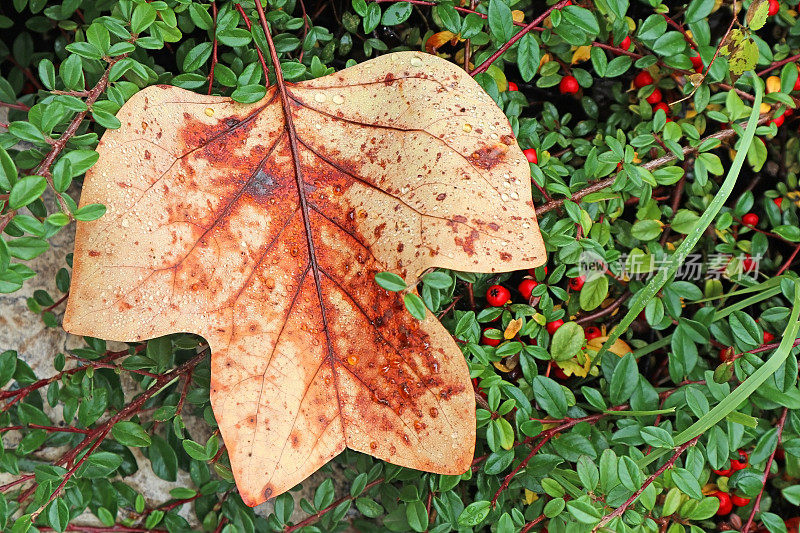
{"points": [[460, 9], [214, 57], [26, 72], [56, 304], [528, 27], [100, 437], [530, 525], [56, 429], [95, 436], [316, 516], [781, 423], [604, 311], [650, 165], [544, 437], [778, 64], [789, 261], [18, 105], [622, 508], [258, 50], [680, 28]]}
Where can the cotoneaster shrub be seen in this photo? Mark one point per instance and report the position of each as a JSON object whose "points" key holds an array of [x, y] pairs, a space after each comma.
{"points": [[631, 114]]}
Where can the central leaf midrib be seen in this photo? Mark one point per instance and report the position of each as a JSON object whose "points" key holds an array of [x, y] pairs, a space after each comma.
{"points": [[300, 182]]}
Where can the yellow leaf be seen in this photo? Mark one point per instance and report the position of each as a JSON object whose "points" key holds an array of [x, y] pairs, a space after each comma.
{"points": [[530, 497], [501, 367], [499, 77], [773, 84], [572, 367], [437, 40], [620, 347], [581, 54], [517, 15], [545, 59], [513, 328]]}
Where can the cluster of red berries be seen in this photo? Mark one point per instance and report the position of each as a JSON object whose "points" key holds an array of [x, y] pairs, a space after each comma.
{"points": [[727, 500], [643, 79], [498, 296]]}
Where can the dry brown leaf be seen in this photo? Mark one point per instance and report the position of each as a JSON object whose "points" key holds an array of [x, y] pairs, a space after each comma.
{"points": [[437, 40], [261, 228]]}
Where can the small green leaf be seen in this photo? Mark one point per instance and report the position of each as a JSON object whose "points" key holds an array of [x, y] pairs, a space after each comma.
{"points": [[474, 513], [390, 281], [26, 191], [130, 434]]}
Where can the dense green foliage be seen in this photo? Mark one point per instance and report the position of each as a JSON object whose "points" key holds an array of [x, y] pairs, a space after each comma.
{"points": [[569, 435]]}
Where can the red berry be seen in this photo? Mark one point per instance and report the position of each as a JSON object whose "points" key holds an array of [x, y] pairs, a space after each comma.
{"points": [[748, 263], [662, 106], [532, 271], [739, 501], [487, 341], [741, 463], [797, 83], [726, 472], [750, 219], [577, 283], [592, 332], [774, 7], [778, 121], [497, 295], [725, 353], [530, 155], [725, 505], [697, 63], [792, 524], [626, 43], [557, 372], [554, 325], [654, 97], [642, 79], [512, 86], [778, 201], [768, 337], [568, 85], [526, 287]]}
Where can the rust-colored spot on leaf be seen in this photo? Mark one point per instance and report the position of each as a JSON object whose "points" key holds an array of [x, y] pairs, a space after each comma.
{"points": [[261, 227]]}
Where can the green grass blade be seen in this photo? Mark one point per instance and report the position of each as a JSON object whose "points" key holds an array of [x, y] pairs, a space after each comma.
{"points": [[770, 283], [677, 259], [743, 391]]}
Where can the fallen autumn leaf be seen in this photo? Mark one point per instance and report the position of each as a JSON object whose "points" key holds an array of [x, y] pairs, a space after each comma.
{"points": [[261, 228]]}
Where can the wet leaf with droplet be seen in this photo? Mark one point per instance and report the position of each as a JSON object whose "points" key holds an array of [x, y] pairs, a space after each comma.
{"points": [[262, 226]]}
